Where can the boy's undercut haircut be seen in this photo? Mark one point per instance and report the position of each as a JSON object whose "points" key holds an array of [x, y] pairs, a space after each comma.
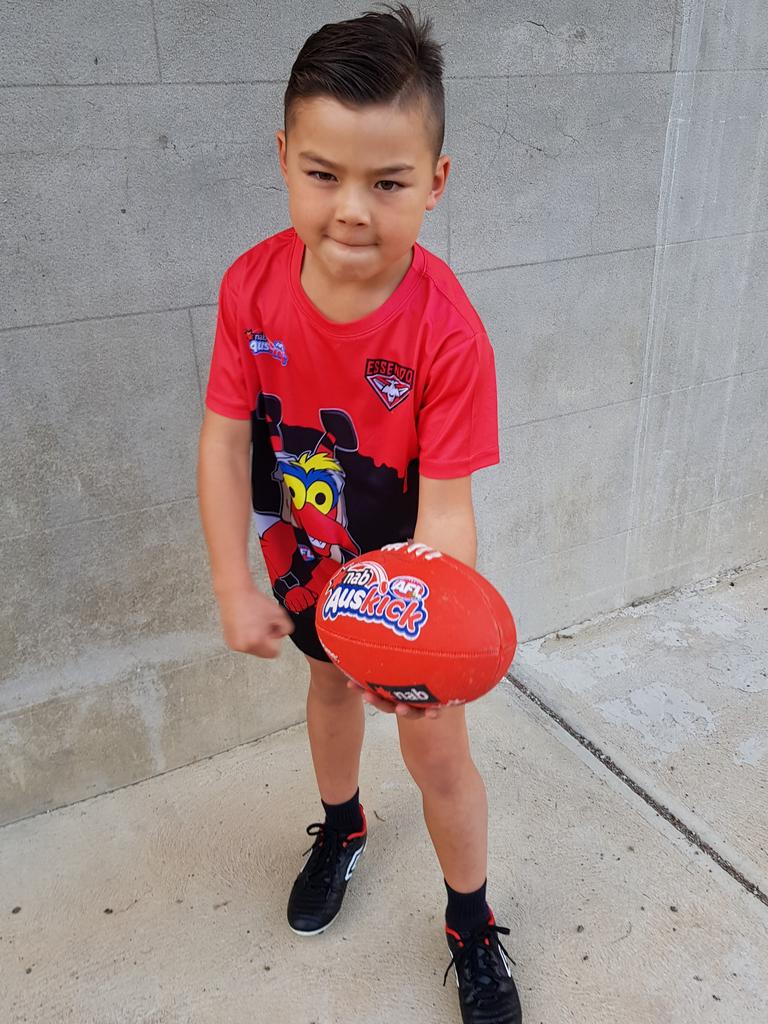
{"points": [[387, 57]]}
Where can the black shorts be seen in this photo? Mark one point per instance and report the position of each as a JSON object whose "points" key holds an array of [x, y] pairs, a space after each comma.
{"points": [[304, 634]]}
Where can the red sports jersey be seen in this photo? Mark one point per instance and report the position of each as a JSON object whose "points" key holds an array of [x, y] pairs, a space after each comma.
{"points": [[345, 416]]}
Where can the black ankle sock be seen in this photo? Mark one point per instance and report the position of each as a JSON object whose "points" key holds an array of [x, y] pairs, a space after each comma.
{"points": [[466, 911], [345, 818]]}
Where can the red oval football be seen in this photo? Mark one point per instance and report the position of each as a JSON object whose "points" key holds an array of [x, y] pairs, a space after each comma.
{"points": [[414, 625]]}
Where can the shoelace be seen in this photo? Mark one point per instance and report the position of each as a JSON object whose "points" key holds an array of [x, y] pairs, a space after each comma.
{"points": [[484, 981], [324, 850]]}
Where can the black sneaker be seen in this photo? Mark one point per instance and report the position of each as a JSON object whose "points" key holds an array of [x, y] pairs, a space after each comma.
{"points": [[318, 892], [487, 993]]}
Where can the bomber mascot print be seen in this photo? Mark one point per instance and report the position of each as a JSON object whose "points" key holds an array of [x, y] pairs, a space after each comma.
{"points": [[312, 508]]}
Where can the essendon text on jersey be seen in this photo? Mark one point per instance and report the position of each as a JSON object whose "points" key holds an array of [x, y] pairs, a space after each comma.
{"points": [[388, 368], [366, 593], [391, 381]]}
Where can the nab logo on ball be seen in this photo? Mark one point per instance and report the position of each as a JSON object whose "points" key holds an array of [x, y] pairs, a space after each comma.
{"points": [[415, 694], [366, 593]]}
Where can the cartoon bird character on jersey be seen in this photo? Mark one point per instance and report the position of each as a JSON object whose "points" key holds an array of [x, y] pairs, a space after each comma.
{"points": [[312, 502]]}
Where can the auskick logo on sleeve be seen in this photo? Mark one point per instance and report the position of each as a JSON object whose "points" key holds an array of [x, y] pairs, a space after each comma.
{"points": [[366, 593], [391, 381], [260, 345]]}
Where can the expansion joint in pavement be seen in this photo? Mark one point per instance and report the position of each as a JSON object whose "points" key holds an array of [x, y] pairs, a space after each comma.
{"points": [[693, 837]]}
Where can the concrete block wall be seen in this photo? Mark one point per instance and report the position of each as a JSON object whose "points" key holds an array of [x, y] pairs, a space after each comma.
{"points": [[607, 213]]}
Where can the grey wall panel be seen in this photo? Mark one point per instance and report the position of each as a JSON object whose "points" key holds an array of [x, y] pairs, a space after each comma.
{"points": [[141, 206], [559, 587], [168, 119], [738, 532], [560, 36], [562, 482], [743, 466], [662, 552], [677, 461], [529, 149], [81, 588], [713, 301], [247, 41], [97, 418], [722, 34], [568, 335], [240, 40], [718, 156], [702, 445], [77, 42]]}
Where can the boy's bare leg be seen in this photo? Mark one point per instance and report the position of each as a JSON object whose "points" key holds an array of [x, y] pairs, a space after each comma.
{"points": [[436, 753], [336, 725]]}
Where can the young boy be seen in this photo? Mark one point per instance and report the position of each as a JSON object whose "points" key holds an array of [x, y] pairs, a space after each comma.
{"points": [[351, 396]]}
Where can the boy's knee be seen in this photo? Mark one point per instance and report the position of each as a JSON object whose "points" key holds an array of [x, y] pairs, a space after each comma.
{"points": [[434, 766], [328, 683]]}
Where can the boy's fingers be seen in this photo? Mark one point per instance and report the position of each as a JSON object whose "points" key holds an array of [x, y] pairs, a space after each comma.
{"points": [[406, 711], [267, 649], [409, 712], [381, 705]]}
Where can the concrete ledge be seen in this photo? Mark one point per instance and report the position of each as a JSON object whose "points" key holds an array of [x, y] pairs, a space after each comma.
{"points": [[134, 713]]}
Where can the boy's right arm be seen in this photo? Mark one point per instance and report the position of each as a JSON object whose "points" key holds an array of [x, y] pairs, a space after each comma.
{"points": [[251, 622]]}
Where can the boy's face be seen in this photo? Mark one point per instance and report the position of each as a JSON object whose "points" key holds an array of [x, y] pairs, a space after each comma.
{"points": [[358, 214]]}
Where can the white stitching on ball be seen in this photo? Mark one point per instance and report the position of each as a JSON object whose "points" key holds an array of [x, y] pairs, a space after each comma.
{"points": [[414, 549]]}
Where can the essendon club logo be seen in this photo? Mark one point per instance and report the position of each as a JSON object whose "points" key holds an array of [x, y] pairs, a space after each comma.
{"points": [[391, 381], [365, 592]]}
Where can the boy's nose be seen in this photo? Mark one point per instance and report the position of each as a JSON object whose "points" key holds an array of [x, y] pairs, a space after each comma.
{"points": [[351, 209]]}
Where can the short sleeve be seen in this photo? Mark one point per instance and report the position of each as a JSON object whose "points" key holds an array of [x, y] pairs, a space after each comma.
{"points": [[457, 424], [227, 391]]}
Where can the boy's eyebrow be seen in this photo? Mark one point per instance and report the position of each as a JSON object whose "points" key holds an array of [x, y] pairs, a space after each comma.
{"points": [[392, 169]]}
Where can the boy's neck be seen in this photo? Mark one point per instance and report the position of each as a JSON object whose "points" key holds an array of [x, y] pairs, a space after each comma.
{"points": [[343, 303]]}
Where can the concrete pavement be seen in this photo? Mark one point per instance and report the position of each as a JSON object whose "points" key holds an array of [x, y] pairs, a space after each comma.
{"points": [[164, 902], [675, 691]]}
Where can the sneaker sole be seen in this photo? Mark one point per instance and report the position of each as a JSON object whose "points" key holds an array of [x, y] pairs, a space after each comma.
{"points": [[319, 931]]}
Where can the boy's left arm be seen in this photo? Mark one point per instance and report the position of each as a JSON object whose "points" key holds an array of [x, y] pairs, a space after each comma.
{"points": [[446, 522], [446, 519]]}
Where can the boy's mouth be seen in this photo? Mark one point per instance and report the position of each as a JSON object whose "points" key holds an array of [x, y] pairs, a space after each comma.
{"points": [[351, 245]]}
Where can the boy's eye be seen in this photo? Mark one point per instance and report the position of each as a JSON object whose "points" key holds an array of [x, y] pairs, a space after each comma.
{"points": [[386, 185]]}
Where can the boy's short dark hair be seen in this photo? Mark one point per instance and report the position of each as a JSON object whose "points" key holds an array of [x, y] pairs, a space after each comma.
{"points": [[377, 58]]}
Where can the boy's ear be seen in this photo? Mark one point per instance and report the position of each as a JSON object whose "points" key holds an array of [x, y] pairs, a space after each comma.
{"points": [[282, 144], [439, 180]]}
